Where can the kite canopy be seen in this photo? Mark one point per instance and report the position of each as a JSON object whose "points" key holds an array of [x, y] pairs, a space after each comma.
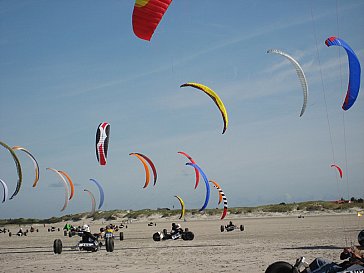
{"points": [[147, 175], [146, 16], [221, 195], [338, 169], [214, 97], [93, 201], [6, 191], [35, 163], [18, 168], [66, 191], [217, 186], [102, 142], [300, 74], [183, 210], [354, 71], [101, 192], [196, 171], [207, 198], [150, 162], [72, 187]]}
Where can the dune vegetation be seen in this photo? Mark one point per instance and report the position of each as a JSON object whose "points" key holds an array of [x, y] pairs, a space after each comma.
{"points": [[301, 207]]}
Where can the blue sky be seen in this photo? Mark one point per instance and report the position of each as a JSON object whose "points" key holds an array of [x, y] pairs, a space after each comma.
{"points": [[66, 66]]}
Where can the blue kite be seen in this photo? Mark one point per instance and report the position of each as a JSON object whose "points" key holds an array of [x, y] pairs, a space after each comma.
{"points": [[354, 71], [207, 198], [101, 192]]}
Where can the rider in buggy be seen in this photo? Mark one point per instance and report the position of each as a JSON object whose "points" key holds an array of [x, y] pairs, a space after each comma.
{"points": [[87, 236], [354, 263], [176, 228], [354, 260], [230, 224]]}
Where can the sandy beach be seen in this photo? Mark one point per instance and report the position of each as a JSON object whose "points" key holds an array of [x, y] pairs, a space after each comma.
{"points": [[264, 240]]}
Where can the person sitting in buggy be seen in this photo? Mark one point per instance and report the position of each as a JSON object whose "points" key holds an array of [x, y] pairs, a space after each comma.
{"points": [[176, 228], [230, 224], [20, 232], [87, 236], [110, 228], [321, 265]]}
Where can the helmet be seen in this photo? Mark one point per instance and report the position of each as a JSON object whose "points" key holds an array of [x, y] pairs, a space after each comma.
{"points": [[361, 238], [86, 228], [173, 224]]}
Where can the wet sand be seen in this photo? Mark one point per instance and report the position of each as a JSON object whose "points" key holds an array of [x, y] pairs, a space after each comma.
{"points": [[264, 240]]}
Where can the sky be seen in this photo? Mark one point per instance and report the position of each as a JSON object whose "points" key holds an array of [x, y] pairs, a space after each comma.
{"points": [[67, 66]]}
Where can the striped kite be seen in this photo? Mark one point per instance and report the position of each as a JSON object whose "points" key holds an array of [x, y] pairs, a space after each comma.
{"points": [[217, 186], [221, 195], [102, 142]]}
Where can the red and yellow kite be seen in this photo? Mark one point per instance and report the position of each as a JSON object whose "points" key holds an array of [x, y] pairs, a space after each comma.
{"points": [[147, 15]]}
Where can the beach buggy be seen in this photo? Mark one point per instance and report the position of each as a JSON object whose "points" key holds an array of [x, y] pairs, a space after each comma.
{"points": [[231, 227], [353, 263], [89, 242], [176, 233]]}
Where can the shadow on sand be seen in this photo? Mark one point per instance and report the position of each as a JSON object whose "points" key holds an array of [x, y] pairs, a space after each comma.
{"points": [[47, 249], [315, 247]]}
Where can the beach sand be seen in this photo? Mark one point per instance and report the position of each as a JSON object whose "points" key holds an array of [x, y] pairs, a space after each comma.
{"points": [[264, 241]]}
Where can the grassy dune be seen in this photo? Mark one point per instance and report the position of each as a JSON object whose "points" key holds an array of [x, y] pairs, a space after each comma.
{"points": [[302, 207]]}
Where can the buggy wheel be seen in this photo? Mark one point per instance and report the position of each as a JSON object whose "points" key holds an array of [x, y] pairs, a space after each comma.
{"points": [[109, 243], [361, 238], [281, 267], [9, 234], [188, 236], [156, 237], [222, 228], [57, 246], [121, 235], [241, 227], [65, 233]]}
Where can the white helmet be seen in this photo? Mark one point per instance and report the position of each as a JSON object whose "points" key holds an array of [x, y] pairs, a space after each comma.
{"points": [[86, 228]]}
